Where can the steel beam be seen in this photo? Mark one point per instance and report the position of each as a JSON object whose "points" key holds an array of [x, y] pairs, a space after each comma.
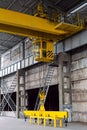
{"points": [[21, 104], [31, 26], [27, 25]]}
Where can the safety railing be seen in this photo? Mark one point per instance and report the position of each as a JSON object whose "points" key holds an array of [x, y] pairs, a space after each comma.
{"points": [[18, 65]]}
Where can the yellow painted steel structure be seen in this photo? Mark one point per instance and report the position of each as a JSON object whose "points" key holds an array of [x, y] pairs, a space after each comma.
{"points": [[27, 25], [47, 115], [69, 28], [43, 115], [43, 50], [31, 26], [42, 97]]}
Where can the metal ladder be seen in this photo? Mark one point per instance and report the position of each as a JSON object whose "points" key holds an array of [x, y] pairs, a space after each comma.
{"points": [[45, 86], [7, 92]]}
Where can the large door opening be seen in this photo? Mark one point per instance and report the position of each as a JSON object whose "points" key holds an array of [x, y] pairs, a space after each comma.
{"points": [[32, 96], [52, 100]]}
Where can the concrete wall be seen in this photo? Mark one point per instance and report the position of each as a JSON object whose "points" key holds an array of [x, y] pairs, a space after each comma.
{"points": [[79, 86], [28, 48], [78, 73], [34, 76], [17, 53], [12, 56]]}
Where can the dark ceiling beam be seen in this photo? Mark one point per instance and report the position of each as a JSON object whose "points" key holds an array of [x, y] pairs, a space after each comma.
{"points": [[58, 1], [11, 4], [30, 3], [12, 36], [52, 5], [10, 41], [3, 49], [5, 46], [33, 4], [76, 5], [6, 41]]}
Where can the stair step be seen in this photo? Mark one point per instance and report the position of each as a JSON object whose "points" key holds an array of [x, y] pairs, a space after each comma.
{"points": [[12, 88], [7, 91]]}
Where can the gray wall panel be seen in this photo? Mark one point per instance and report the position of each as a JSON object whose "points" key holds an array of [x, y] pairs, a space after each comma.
{"points": [[73, 42], [59, 47], [67, 44]]}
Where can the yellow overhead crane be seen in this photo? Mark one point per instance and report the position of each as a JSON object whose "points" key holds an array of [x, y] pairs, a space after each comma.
{"points": [[36, 27], [46, 32]]}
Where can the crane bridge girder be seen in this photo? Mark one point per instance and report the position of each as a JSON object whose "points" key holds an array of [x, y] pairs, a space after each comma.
{"points": [[26, 25]]}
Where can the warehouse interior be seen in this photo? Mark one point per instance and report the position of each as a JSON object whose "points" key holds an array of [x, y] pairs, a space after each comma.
{"points": [[43, 48]]}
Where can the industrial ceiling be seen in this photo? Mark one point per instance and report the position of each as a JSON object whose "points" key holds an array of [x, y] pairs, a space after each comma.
{"points": [[7, 41]]}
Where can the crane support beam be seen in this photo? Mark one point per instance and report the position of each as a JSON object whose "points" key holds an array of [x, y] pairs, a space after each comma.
{"points": [[27, 25]]}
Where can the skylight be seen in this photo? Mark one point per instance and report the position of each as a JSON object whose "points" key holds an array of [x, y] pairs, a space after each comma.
{"points": [[80, 7]]}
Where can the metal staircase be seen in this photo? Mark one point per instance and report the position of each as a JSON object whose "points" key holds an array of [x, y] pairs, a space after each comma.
{"points": [[7, 93], [44, 87]]}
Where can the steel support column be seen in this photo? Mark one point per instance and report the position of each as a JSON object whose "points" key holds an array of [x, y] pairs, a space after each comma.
{"points": [[20, 93], [61, 96], [65, 96], [0, 95]]}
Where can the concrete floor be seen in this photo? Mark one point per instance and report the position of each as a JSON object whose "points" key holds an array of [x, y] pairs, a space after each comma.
{"points": [[7, 123]]}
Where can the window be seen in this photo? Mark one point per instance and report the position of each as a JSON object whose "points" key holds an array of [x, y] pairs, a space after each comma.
{"points": [[44, 45]]}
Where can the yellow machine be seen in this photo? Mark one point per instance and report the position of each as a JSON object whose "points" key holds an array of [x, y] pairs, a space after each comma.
{"points": [[43, 50], [42, 116], [42, 96], [47, 115]]}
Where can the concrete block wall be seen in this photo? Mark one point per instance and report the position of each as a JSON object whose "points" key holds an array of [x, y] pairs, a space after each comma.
{"points": [[17, 53], [12, 56], [28, 48], [35, 75], [79, 86], [78, 73], [5, 59]]}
